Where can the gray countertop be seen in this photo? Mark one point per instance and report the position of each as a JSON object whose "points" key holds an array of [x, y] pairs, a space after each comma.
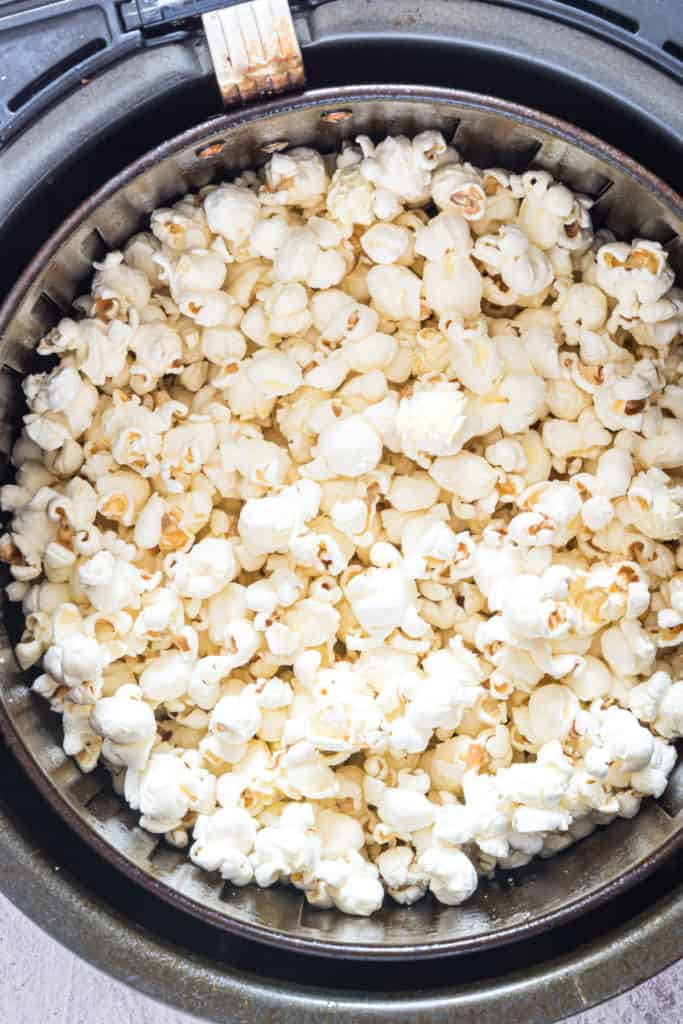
{"points": [[40, 981]]}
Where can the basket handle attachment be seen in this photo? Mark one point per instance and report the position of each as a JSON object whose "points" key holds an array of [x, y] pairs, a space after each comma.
{"points": [[254, 50]]}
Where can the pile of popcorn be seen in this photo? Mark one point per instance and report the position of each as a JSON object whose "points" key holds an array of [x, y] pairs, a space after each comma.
{"points": [[346, 526]]}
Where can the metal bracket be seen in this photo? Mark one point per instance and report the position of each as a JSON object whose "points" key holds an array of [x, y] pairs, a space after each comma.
{"points": [[254, 49]]}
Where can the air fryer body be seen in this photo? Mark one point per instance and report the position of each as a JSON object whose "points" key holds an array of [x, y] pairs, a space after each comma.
{"points": [[600, 75]]}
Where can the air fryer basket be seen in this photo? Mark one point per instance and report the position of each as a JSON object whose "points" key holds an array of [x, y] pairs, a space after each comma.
{"points": [[488, 132]]}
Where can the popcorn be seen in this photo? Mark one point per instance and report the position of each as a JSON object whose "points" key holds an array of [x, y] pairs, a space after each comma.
{"points": [[638, 271], [287, 847], [80, 741], [645, 700], [663, 449], [344, 530], [656, 506], [180, 227], [404, 811], [222, 841], [453, 287], [627, 649], [116, 284], [399, 166], [670, 712], [583, 308], [549, 515], [166, 678], [231, 211], [204, 570], [127, 726], [350, 198], [234, 720], [466, 475], [76, 662], [395, 292], [294, 178], [351, 884], [350, 447], [550, 714], [167, 789], [270, 524], [450, 874], [121, 495], [383, 600], [524, 395], [447, 232], [614, 472], [111, 584], [413, 493], [273, 374], [386, 243], [432, 421], [455, 188], [523, 268], [475, 358]]}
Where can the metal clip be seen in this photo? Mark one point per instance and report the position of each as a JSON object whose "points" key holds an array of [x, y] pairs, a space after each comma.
{"points": [[254, 50]]}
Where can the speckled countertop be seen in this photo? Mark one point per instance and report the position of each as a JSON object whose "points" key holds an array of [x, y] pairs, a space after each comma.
{"points": [[42, 983]]}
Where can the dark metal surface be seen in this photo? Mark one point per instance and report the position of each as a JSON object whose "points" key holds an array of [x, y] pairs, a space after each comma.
{"points": [[519, 905], [50, 49]]}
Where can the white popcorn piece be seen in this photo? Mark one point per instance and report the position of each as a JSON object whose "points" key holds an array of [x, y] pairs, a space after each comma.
{"points": [[111, 584], [386, 243], [127, 726], [294, 178], [663, 450], [450, 874], [80, 741], [231, 211], [550, 714], [75, 660], [614, 472], [166, 678], [432, 421], [549, 515], [466, 475], [383, 600], [413, 493], [656, 505], [234, 721], [669, 721], [638, 271], [404, 811], [395, 291], [167, 789], [287, 847], [270, 524], [204, 570], [397, 165], [222, 842], [273, 374], [453, 287], [349, 447]]}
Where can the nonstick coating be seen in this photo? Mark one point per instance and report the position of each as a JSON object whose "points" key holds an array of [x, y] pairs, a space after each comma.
{"points": [[487, 131]]}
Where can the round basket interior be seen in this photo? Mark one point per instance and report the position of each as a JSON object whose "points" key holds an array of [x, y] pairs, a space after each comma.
{"points": [[489, 133]]}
